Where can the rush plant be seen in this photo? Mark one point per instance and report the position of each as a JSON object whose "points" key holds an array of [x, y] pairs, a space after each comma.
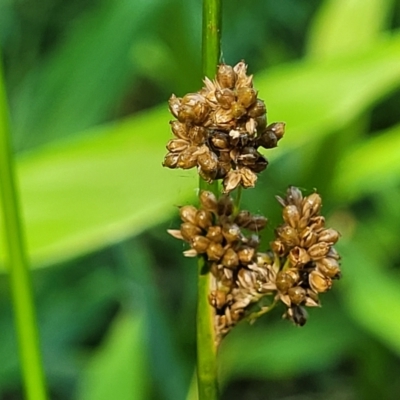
{"points": [[220, 130]]}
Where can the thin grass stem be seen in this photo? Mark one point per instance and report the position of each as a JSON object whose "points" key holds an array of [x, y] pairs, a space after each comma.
{"points": [[206, 338], [17, 263]]}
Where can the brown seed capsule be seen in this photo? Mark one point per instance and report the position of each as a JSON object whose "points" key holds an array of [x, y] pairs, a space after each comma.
{"points": [[204, 219], [237, 110], [329, 267], [193, 108], [225, 98], [311, 205], [246, 254], [278, 128], [215, 251], [208, 162], [333, 253], [174, 105], [226, 76], [231, 180], [278, 247], [261, 123], [231, 232], [187, 159], [243, 218], [258, 109], [189, 231], [248, 177], [329, 236], [188, 214], [284, 281], [179, 129], [318, 250], [297, 294], [200, 244], [298, 257], [225, 205], [268, 140], [171, 160], [294, 196], [308, 237], [297, 314], [246, 96], [317, 223], [217, 298], [318, 282], [197, 135], [288, 235], [214, 233], [230, 259], [208, 201], [220, 140], [177, 145], [257, 223], [291, 215]]}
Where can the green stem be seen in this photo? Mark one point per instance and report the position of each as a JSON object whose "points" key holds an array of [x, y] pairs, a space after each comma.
{"points": [[206, 338], [21, 288]]}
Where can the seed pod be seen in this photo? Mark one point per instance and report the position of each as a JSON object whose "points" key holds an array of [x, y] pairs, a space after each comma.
{"points": [[246, 254], [177, 145], [318, 250], [214, 233], [278, 247], [197, 135], [317, 223], [225, 98], [333, 254], [291, 215], [187, 159], [179, 129], [318, 282], [225, 205], [231, 232], [308, 237], [246, 96], [208, 162], [171, 160], [248, 177], [208, 201], [215, 251], [284, 281], [311, 205], [257, 109], [297, 314], [329, 267], [193, 108], [217, 298], [189, 231], [329, 236], [174, 105], [288, 235], [261, 123], [204, 219], [226, 76], [220, 140], [243, 218], [188, 214], [294, 196], [267, 139], [230, 259], [253, 241], [231, 180], [200, 244], [237, 110], [298, 257], [278, 128], [257, 223], [297, 294]]}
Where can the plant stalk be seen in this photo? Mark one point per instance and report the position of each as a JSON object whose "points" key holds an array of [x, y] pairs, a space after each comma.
{"points": [[20, 280], [206, 338]]}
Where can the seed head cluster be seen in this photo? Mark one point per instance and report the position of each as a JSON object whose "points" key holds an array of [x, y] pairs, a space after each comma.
{"points": [[246, 282], [219, 129]]}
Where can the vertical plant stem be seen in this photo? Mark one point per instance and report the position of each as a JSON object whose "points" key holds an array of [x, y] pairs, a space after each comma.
{"points": [[206, 340], [21, 287]]}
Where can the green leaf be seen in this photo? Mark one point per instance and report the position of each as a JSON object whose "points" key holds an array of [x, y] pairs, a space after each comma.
{"points": [[108, 184], [371, 294], [278, 351], [118, 369], [345, 26], [369, 166]]}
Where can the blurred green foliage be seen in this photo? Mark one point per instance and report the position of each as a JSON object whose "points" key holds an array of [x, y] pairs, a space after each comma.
{"points": [[116, 300]]}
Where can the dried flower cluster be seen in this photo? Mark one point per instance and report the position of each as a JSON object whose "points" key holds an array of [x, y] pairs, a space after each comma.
{"points": [[301, 264], [220, 128]]}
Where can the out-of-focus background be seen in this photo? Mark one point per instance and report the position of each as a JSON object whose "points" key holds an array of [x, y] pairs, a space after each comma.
{"points": [[88, 83]]}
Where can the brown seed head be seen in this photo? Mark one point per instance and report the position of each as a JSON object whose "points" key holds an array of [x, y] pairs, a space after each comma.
{"points": [[318, 282]]}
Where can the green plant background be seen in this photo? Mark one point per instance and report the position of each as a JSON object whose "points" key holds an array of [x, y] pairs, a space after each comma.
{"points": [[88, 84]]}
